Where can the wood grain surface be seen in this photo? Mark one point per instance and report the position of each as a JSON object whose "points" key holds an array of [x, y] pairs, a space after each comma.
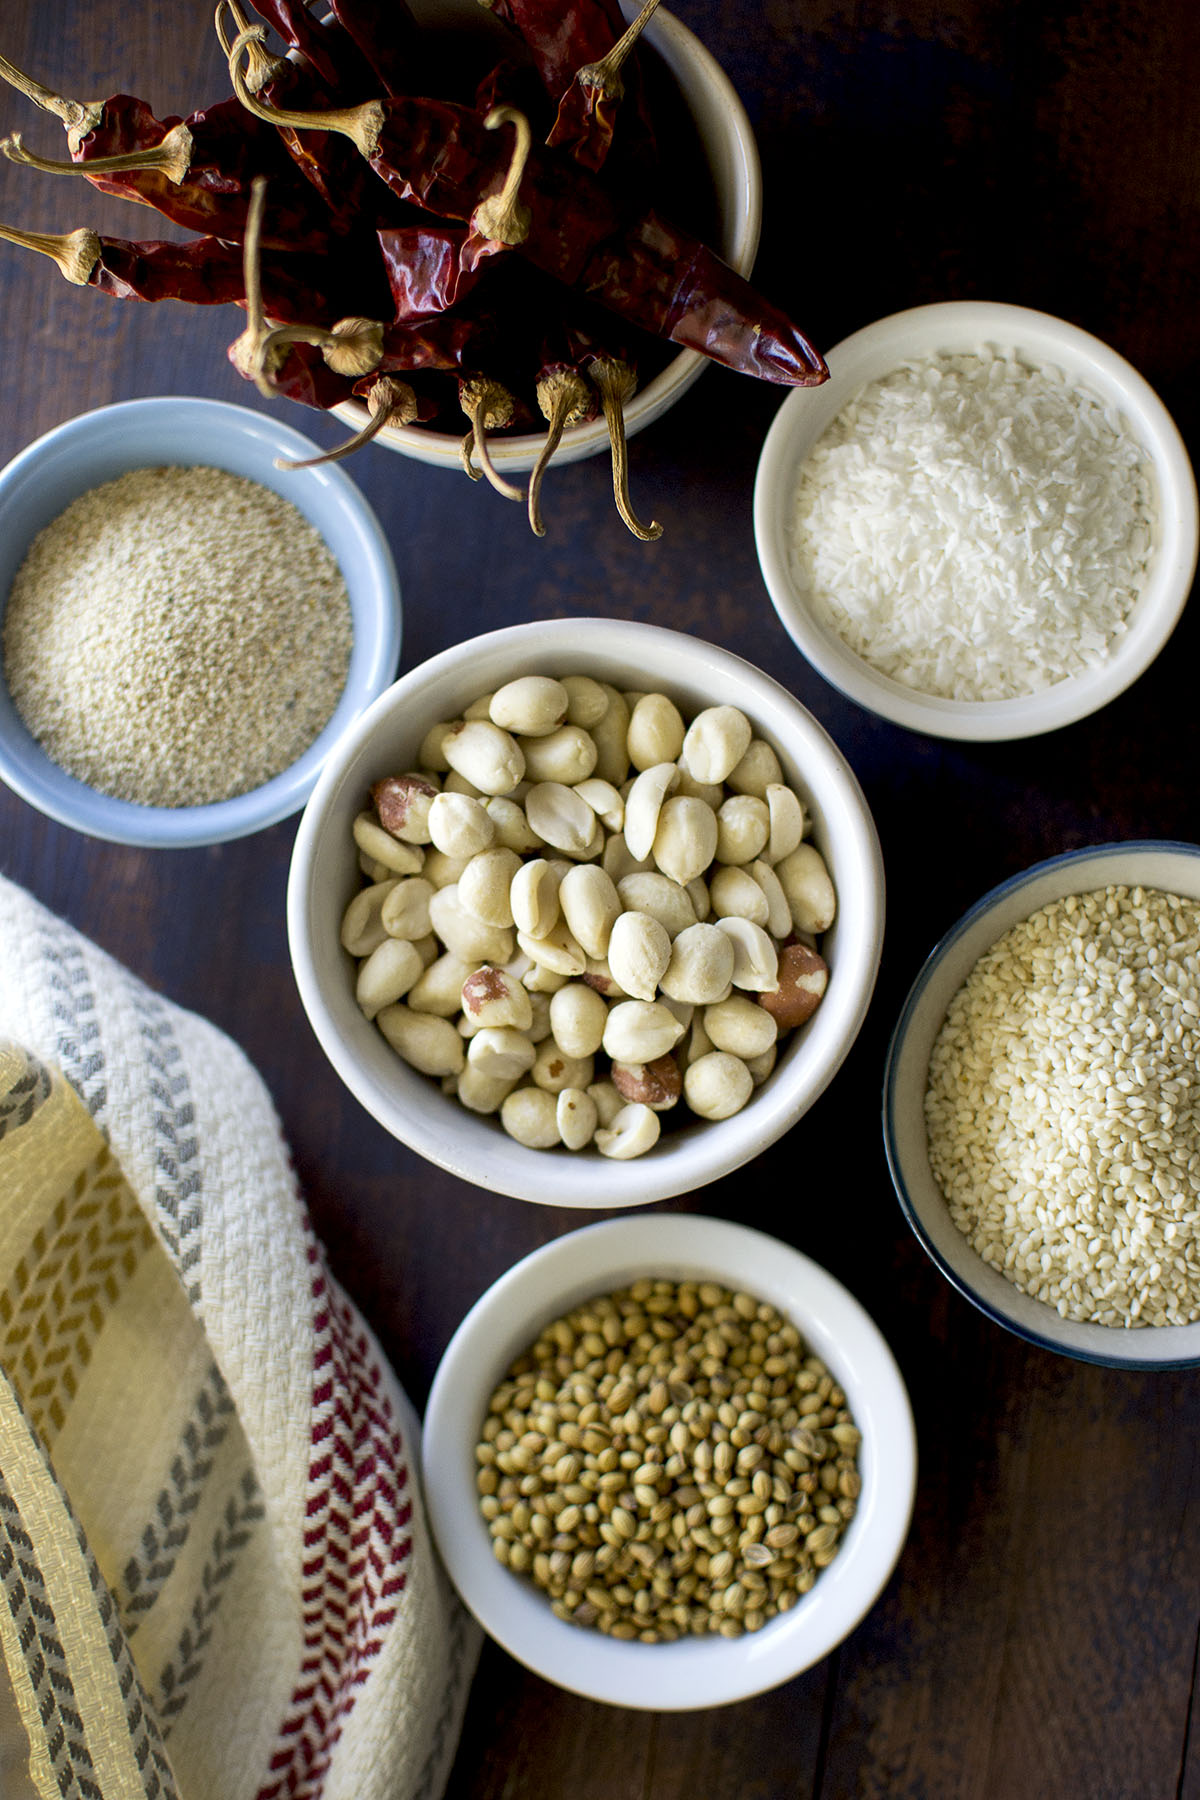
{"points": [[1039, 1636]]}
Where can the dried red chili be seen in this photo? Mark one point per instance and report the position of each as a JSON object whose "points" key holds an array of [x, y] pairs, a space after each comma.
{"points": [[587, 113]]}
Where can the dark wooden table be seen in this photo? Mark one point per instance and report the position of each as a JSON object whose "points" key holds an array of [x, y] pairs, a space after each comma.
{"points": [[1040, 1634]]}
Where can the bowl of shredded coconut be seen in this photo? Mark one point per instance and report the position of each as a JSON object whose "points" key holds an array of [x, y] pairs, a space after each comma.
{"points": [[188, 622], [983, 526], [1041, 1107]]}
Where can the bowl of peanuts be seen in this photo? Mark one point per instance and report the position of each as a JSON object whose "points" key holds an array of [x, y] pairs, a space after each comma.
{"points": [[582, 941], [669, 1461]]}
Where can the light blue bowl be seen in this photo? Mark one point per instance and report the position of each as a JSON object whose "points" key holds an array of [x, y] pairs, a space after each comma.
{"points": [[97, 447]]}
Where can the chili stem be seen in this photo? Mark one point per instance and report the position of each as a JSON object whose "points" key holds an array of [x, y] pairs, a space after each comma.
{"points": [[352, 347], [565, 399], [76, 253], [261, 66], [615, 382], [505, 217], [172, 157], [605, 75], [247, 351], [389, 402], [361, 124], [489, 408], [79, 116]]}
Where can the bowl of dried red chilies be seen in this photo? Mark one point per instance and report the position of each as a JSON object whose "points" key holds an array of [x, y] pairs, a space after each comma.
{"points": [[450, 232]]}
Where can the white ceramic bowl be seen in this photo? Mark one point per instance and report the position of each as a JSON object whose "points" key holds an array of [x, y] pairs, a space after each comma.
{"points": [[97, 447], [1174, 868], [963, 326], [732, 166], [324, 875], [598, 1260]]}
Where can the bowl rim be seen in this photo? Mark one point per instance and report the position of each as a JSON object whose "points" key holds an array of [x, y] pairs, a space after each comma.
{"points": [[913, 332], [596, 1259], [667, 33], [599, 1183], [1078, 1339], [37, 779]]}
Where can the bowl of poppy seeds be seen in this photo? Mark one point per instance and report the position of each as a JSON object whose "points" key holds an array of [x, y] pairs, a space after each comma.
{"points": [[187, 628], [669, 1461]]}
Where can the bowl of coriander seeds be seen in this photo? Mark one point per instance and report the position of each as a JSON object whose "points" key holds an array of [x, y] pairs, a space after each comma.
{"points": [[669, 1462], [984, 526], [586, 911], [191, 618], [1039, 1110]]}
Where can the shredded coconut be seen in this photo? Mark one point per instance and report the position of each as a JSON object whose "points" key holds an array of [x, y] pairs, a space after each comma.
{"points": [[177, 636], [974, 527], [1063, 1107]]}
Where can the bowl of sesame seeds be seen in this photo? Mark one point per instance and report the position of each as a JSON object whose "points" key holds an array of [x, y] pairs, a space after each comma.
{"points": [[188, 621], [984, 526], [1040, 1114], [669, 1462]]}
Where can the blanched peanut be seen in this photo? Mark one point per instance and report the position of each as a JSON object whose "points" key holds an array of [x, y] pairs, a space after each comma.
{"points": [[405, 911], [604, 801], [591, 905], [577, 1016], [363, 929], [617, 860], [736, 895], [740, 1026], [423, 1040], [779, 913], [787, 821], [374, 872], [743, 827], [530, 706], [486, 883], [639, 1031], [655, 1084], [427, 948], [431, 756], [458, 784], [480, 708], [805, 880], [803, 978], [556, 950], [541, 979], [711, 792], [761, 1066], [554, 1070], [560, 818], [639, 952], [501, 1052], [484, 755], [567, 755], [700, 898], [493, 997], [756, 771], [717, 1085], [539, 1028], [643, 804], [685, 840], [697, 1042], [530, 1115], [441, 870], [598, 975], [439, 989], [482, 1093], [607, 1100], [533, 897], [576, 1117], [587, 701], [701, 965], [610, 735], [459, 825], [716, 741], [387, 974], [755, 960], [655, 732], [664, 900], [403, 802], [464, 934], [634, 1131], [395, 856], [513, 829]]}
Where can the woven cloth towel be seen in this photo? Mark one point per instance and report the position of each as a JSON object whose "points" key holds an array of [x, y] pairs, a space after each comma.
{"points": [[217, 1577]]}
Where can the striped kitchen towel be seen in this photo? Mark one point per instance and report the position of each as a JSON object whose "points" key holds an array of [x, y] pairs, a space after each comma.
{"points": [[217, 1577]]}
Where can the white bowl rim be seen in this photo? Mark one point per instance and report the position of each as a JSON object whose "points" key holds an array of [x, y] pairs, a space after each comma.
{"points": [[776, 1106], [984, 1287], [596, 1259], [916, 331], [665, 31], [36, 779]]}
